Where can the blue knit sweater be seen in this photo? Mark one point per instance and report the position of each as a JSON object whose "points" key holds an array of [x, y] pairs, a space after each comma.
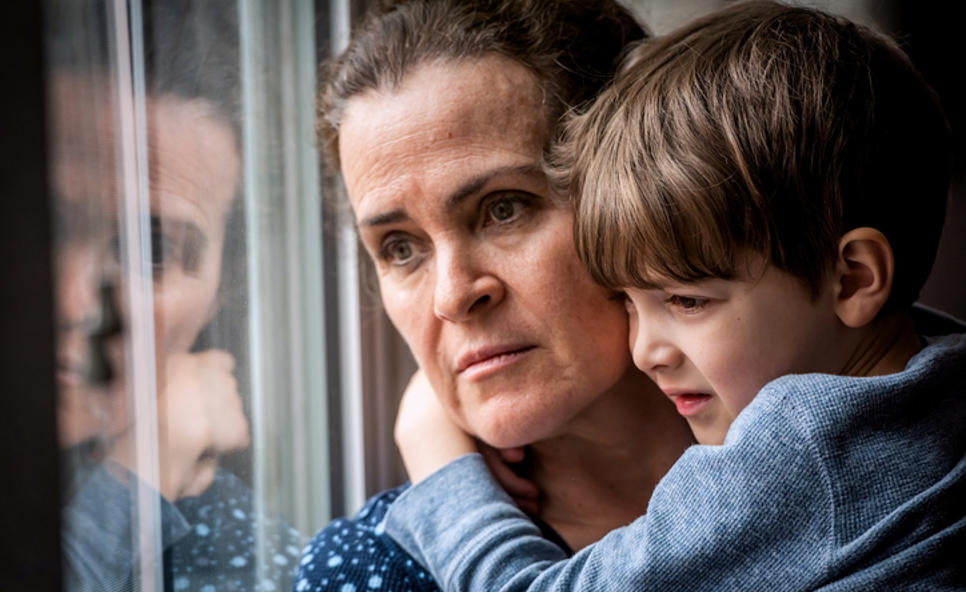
{"points": [[823, 482]]}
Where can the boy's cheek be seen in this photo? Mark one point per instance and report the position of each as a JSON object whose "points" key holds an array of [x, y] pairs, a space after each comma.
{"points": [[710, 433]]}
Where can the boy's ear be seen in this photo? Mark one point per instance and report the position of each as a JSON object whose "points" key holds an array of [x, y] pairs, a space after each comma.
{"points": [[863, 273]]}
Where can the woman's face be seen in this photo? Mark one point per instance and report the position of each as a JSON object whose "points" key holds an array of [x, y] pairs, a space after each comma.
{"points": [[194, 170], [475, 257]]}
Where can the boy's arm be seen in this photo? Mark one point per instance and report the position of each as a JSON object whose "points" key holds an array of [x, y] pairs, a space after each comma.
{"points": [[748, 515]]}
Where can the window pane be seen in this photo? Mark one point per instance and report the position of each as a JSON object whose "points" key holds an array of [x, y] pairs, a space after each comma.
{"points": [[192, 340]]}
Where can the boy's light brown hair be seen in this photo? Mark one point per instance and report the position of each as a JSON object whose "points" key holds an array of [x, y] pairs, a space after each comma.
{"points": [[762, 127]]}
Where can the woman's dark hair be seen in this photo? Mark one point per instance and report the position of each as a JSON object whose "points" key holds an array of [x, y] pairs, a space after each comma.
{"points": [[571, 46]]}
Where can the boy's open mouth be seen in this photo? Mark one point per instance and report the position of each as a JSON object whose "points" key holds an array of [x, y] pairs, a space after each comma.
{"points": [[689, 404]]}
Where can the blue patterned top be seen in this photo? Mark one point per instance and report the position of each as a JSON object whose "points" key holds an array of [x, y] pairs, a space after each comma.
{"points": [[356, 555]]}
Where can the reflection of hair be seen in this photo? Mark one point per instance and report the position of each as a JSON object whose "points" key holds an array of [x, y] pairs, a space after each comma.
{"points": [[193, 52], [191, 47], [572, 46], [761, 126]]}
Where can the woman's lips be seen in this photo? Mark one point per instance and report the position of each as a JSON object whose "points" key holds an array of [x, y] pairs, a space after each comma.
{"points": [[69, 377], [479, 364], [70, 368]]}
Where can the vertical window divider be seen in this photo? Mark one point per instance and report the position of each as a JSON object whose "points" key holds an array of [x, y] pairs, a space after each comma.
{"points": [[350, 325], [249, 22], [310, 442], [283, 222], [135, 232]]}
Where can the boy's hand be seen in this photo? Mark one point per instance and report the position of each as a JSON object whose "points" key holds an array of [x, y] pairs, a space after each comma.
{"points": [[427, 438], [523, 491]]}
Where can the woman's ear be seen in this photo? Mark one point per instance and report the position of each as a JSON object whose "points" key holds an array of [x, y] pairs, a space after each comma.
{"points": [[864, 271]]}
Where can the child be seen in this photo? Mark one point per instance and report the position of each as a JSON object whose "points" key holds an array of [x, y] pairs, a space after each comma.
{"points": [[767, 186]]}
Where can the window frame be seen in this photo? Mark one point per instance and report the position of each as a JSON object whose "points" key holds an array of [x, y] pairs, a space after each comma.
{"points": [[30, 547]]}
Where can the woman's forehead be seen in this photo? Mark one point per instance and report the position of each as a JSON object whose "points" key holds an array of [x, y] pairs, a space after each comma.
{"points": [[446, 122], [482, 96]]}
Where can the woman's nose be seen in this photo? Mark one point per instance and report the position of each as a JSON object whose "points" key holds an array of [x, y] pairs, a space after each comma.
{"points": [[76, 286], [464, 289]]}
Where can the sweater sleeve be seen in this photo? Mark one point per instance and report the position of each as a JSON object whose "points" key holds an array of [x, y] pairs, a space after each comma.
{"points": [[752, 514], [99, 552]]}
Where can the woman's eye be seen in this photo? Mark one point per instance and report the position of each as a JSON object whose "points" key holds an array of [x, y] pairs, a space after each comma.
{"points": [[397, 251], [165, 249], [504, 209], [162, 250]]}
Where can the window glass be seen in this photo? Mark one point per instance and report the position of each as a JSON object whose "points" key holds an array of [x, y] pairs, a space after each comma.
{"points": [[193, 370]]}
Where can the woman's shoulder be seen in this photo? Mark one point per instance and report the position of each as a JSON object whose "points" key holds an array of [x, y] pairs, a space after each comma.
{"points": [[356, 555]]}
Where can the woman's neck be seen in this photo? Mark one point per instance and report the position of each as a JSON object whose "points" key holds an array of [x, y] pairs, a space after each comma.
{"points": [[598, 474]]}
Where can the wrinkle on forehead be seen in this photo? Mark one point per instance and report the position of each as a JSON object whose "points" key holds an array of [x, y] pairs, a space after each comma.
{"points": [[193, 159], [445, 115]]}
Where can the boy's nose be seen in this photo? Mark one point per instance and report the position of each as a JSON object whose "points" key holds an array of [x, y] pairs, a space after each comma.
{"points": [[464, 288], [651, 351]]}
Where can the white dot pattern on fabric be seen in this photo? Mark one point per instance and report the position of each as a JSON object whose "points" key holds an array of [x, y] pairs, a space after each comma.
{"points": [[218, 553], [356, 555]]}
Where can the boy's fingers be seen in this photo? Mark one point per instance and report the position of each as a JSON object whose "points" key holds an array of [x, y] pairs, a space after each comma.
{"points": [[518, 487], [512, 455], [528, 506]]}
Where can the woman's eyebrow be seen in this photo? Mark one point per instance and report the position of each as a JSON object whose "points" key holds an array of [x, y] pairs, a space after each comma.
{"points": [[390, 217], [472, 186], [464, 191]]}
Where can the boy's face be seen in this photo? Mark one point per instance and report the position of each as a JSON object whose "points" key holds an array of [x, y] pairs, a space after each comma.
{"points": [[712, 345]]}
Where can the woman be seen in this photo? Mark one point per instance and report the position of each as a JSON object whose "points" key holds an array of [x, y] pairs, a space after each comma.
{"points": [[437, 116]]}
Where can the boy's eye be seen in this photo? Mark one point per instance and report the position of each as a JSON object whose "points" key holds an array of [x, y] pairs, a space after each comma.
{"points": [[686, 303]]}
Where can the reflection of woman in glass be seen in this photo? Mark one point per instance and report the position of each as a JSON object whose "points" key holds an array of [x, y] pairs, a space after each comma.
{"points": [[441, 150], [207, 515]]}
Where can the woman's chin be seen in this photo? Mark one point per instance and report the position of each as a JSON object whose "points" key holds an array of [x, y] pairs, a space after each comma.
{"points": [[512, 434]]}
